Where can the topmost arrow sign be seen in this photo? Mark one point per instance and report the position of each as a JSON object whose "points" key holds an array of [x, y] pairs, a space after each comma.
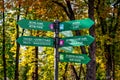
{"points": [[35, 24], [76, 24]]}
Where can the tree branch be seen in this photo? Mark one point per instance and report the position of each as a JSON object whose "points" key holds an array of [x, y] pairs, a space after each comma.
{"points": [[64, 76], [71, 16], [61, 5], [73, 68]]}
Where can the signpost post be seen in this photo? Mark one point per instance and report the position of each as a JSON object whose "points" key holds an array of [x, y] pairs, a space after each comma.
{"points": [[56, 54]]}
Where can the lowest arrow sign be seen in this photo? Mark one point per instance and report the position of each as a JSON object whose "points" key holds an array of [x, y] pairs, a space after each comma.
{"points": [[35, 41], [76, 24], [77, 58], [35, 24], [76, 41]]}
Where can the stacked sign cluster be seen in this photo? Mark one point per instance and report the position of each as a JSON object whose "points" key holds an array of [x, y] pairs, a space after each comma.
{"points": [[63, 42]]}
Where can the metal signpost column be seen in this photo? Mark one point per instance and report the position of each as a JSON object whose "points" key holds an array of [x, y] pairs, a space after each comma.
{"points": [[56, 54]]}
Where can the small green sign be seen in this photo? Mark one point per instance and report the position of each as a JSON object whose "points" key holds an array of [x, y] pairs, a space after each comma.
{"points": [[76, 24], [67, 49], [77, 58], [35, 41], [36, 25], [67, 34], [76, 41]]}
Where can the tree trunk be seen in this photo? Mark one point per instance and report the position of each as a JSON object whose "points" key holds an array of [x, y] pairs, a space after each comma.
{"points": [[108, 62], [17, 50], [91, 66], [36, 63], [113, 62], [3, 50], [64, 76]]}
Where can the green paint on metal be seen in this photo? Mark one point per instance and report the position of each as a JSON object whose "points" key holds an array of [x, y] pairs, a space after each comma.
{"points": [[76, 41], [35, 24], [76, 24], [35, 41], [76, 58], [67, 49], [67, 34]]}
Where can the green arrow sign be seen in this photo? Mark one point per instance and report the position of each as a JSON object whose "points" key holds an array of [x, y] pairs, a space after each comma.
{"points": [[35, 41], [36, 25], [77, 58], [76, 24], [76, 41]]}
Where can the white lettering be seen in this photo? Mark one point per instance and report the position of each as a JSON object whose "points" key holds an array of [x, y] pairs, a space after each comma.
{"points": [[42, 41], [27, 40], [33, 24], [76, 25], [75, 56]]}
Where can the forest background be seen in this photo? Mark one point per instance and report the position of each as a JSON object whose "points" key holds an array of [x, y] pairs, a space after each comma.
{"points": [[19, 62]]}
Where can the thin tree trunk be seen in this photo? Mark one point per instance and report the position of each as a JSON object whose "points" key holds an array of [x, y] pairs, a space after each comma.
{"points": [[91, 66], [35, 73], [80, 70], [17, 50], [113, 37], [3, 50], [108, 62], [26, 66], [75, 72], [64, 75], [113, 62], [36, 63]]}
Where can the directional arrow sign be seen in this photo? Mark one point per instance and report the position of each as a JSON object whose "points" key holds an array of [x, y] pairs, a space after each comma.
{"points": [[36, 24], [77, 58], [35, 41], [76, 24], [76, 41]]}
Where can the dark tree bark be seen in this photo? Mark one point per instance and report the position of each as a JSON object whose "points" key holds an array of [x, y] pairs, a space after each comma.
{"points": [[113, 62], [91, 66], [64, 76], [17, 49], [3, 50], [36, 63], [108, 62], [113, 32]]}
